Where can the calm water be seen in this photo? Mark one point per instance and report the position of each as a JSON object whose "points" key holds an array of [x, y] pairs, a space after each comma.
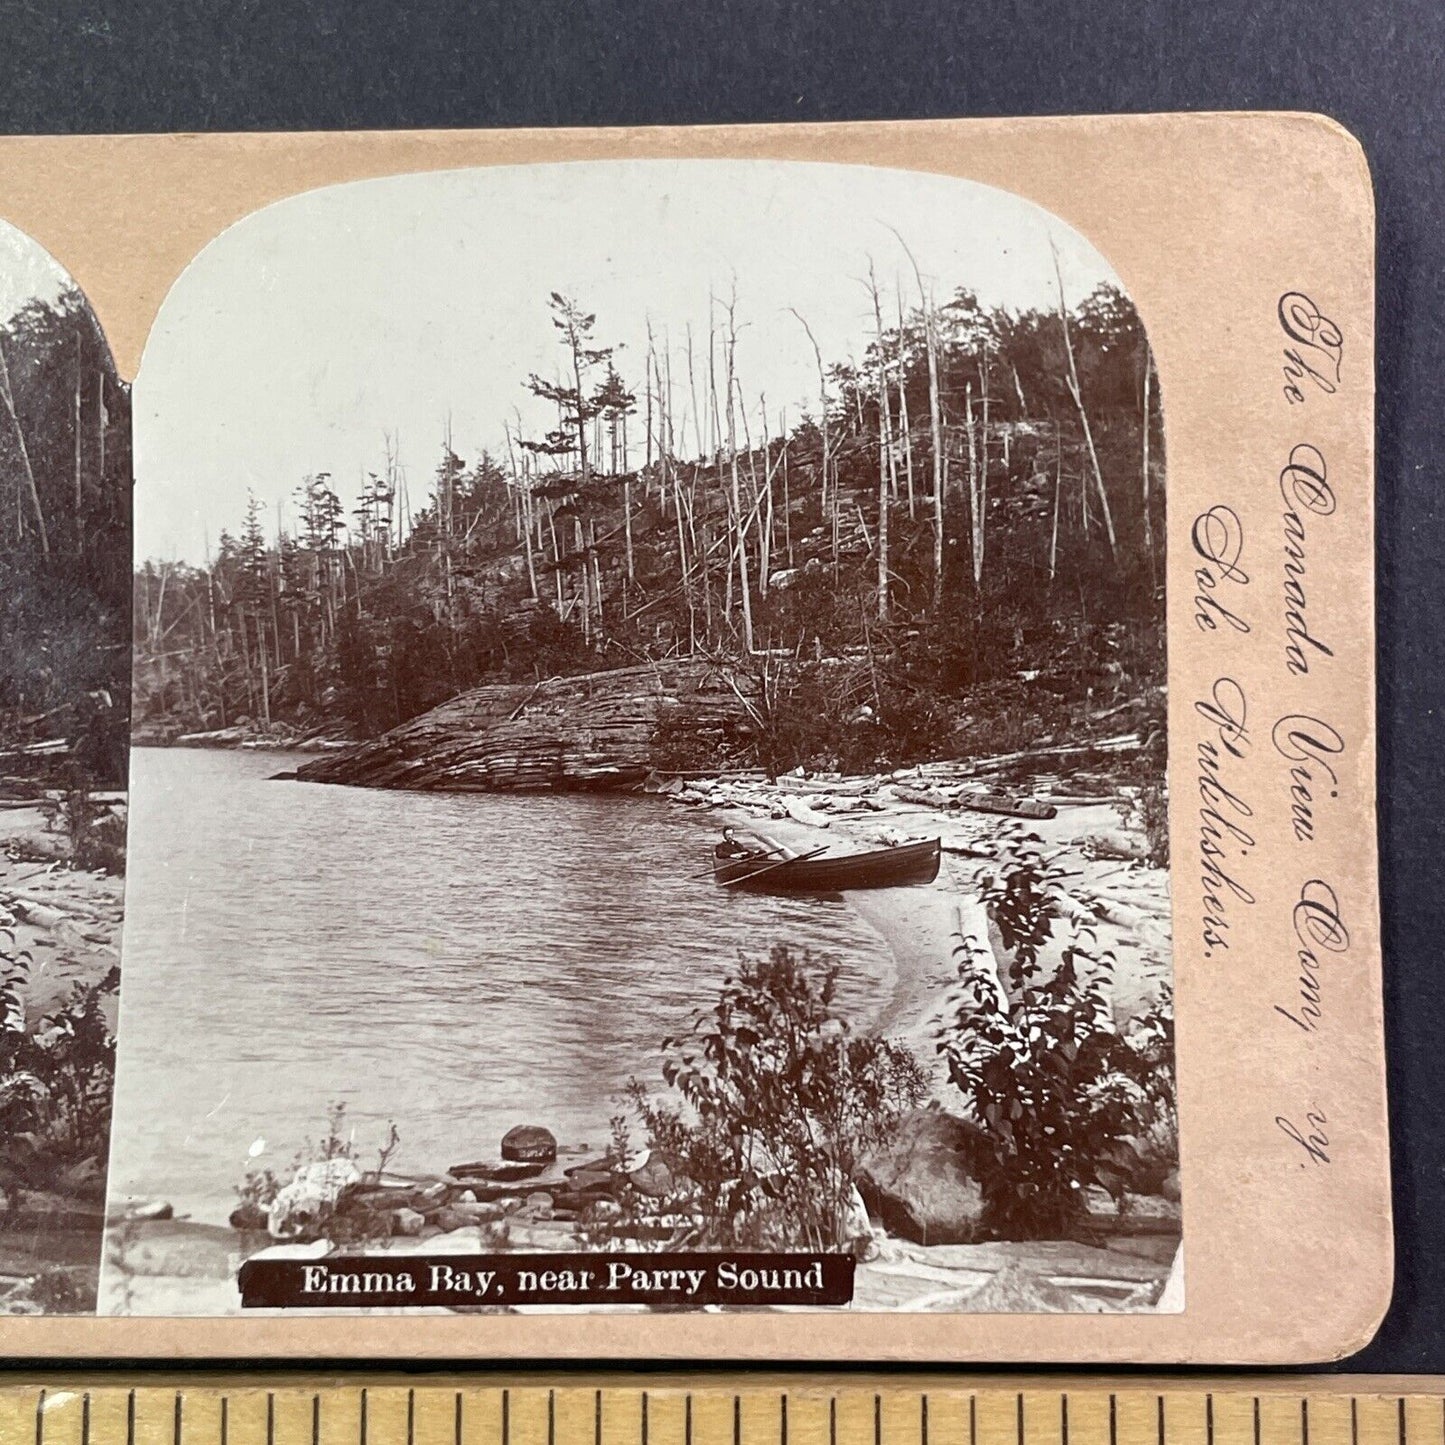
{"points": [[457, 963]]}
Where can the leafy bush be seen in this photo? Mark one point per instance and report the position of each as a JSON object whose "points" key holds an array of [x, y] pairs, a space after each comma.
{"points": [[95, 835], [59, 1291], [778, 1100], [56, 1075], [1149, 809], [1065, 1100]]}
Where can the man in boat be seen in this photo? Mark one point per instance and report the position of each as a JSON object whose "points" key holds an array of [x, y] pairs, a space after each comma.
{"points": [[730, 847]]}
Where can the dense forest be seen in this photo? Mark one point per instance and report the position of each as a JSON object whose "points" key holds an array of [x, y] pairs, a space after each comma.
{"points": [[961, 532], [65, 545]]}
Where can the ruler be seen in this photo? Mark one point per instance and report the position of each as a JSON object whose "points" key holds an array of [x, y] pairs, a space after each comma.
{"points": [[745, 1408]]}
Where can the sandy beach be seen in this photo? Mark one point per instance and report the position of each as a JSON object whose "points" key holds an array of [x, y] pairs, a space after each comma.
{"points": [[1125, 902], [68, 920]]}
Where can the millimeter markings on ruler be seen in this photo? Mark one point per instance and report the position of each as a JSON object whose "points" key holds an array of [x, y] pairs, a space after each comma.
{"points": [[718, 1409]]}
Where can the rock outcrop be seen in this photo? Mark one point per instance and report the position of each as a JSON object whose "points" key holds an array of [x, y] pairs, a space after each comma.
{"points": [[563, 734], [923, 1184]]}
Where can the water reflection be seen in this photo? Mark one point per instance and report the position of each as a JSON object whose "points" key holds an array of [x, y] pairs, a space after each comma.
{"points": [[457, 963]]}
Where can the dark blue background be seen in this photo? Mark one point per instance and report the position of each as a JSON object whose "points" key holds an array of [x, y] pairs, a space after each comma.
{"points": [[160, 65]]}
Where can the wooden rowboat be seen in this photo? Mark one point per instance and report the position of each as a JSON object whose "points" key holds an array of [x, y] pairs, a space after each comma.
{"points": [[912, 863]]}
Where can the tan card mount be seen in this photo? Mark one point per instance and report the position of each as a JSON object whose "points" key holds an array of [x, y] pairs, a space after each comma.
{"points": [[734, 732]]}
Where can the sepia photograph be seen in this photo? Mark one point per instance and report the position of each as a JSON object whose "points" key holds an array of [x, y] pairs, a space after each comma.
{"points": [[648, 735], [65, 563]]}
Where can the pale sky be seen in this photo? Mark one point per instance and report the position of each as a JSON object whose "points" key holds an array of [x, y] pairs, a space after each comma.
{"points": [[27, 271], [312, 327]]}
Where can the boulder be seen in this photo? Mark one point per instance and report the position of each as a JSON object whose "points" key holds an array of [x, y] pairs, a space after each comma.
{"points": [[529, 1144], [445, 1219], [537, 1206], [1017, 1290], [304, 1203], [652, 1176], [408, 1222], [383, 1197], [462, 1216], [150, 1209], [923, 1184], [248, 1215], [475, 1213]]}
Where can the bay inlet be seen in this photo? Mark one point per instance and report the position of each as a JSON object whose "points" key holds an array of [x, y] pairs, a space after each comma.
{"points": [[456, 963]]}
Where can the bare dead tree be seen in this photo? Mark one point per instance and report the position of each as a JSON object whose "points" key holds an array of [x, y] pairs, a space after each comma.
{"points": [[7, 395], [1144, 429], [1072, 381], [903, 422], [823, 430], [885, 428], [935, 410], [740, 522], [79, 495]]}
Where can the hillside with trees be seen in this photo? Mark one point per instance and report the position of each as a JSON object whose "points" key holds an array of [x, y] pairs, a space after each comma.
{"points": [[955, 544], [65, 544]]}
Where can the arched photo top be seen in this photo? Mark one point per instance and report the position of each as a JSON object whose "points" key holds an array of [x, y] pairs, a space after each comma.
{"points": [[599, 478], [388, 303]]}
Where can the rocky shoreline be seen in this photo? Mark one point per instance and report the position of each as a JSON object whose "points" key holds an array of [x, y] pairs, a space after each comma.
{"points": [[917, 1239], [67, 921], [591, 732]]}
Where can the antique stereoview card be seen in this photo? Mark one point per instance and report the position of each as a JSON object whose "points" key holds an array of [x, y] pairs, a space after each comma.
{"points": [[723, 734]]}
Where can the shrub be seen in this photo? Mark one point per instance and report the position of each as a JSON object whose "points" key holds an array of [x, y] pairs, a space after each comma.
{"points": [[95, 835], [59, 1291], [56, 1074], [1065, 1100], [777, 1101], [1149, 810]]}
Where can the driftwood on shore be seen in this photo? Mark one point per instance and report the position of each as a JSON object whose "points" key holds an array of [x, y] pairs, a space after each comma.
{"points": [[595, 731]]}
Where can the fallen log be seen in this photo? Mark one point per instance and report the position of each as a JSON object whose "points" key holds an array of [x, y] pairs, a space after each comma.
{"points": [[927, 797], [42, 916], [52, 747], [800, 812], [1115, 844], [974, 767], [1006, 805], [16, 898]]}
